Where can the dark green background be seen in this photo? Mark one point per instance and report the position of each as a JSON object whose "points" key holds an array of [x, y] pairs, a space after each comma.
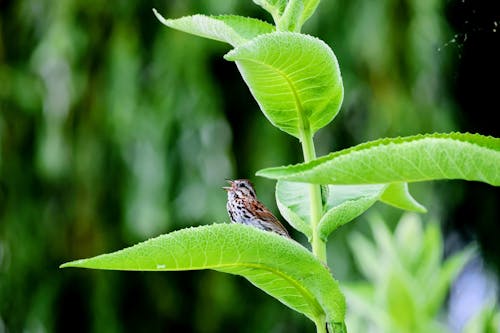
{"points": [[114, 129]]}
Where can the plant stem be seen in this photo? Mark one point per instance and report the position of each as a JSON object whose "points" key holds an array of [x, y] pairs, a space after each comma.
{"points": [[318, 245], [320, 325]]}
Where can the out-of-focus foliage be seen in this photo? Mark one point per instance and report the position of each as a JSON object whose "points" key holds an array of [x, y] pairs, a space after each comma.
{"points": [[486, 321], [407, 280], [114, 129], [107, 139]]}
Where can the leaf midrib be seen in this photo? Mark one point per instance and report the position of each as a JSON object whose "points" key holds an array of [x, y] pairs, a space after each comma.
{"points": [[304, 126], [318, 310]]}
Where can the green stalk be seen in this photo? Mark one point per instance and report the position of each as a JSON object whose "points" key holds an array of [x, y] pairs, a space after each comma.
{"points": [[318, 245], [320, 325]]}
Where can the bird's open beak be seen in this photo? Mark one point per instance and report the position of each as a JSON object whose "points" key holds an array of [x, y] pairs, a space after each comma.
{"points": [[228, 188]]}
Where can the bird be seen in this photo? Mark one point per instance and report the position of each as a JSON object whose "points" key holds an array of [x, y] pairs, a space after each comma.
{"points": [[243, 207]]}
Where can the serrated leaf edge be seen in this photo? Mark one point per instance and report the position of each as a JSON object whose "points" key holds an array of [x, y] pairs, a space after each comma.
{"points": [[462, 137]]}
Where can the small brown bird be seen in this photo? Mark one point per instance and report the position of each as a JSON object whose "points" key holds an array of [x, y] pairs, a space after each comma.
{"points": [[243, 207]]}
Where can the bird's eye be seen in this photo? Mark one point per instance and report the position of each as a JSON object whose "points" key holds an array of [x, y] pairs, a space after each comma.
{"points": [[241, 185]]}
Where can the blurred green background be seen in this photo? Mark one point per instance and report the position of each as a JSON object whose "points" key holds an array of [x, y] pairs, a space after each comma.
{"points": [[114, 129]]}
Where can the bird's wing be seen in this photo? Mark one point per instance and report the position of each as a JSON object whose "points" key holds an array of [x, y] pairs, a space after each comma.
{"points": [[262, 213]]}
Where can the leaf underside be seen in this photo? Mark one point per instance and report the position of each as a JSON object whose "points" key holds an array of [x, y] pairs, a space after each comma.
{"points": [[277, 265], [232, 29]]}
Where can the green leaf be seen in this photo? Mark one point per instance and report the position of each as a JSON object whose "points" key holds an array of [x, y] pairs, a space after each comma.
{"points": [[309, 9], [392, 266], [431, 253], [363, 310], [295, 79], [280, 267], [366, 257], [290, 20], [293, 202], [296, 14], [273, 7], [449, 271], [409, 159], [401, 302], [487, 320], [397, 195], [289, 15], [345, 203], [232, 29], [382, 236], [409, 240]]}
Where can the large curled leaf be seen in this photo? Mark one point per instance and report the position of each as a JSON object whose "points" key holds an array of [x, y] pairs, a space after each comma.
{"points": [[281, 267], [343, 203], [409, 159], [231, 29], [295, 79]]}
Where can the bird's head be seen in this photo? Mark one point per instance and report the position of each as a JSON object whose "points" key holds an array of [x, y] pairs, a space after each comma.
{"points": [[241, 186]]}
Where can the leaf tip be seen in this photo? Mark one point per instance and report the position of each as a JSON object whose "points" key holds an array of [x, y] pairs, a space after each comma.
{"points": [[416, 206], [160, 17], [260, 173], [272, 173], [230, 56], [263, 172], [421, 209], [75, 263]]}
